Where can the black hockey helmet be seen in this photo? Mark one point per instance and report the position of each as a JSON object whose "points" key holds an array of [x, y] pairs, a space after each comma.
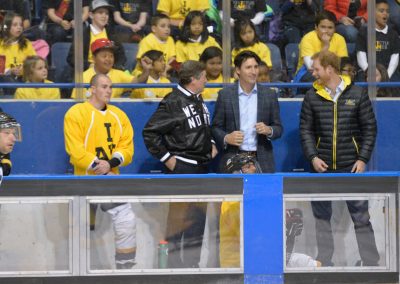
{"points": [[236, 163], [9, 122]]}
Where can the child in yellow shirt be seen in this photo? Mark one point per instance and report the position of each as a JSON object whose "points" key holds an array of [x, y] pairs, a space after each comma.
{"points": [[14, 48], [246, 38], [35, 71], [212, 59], [156, 76], [159, 39], [194, 38]]}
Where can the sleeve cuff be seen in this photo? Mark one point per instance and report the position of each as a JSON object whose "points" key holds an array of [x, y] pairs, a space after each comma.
{"points": [[165, 157], [269, 137], [118, 156]]}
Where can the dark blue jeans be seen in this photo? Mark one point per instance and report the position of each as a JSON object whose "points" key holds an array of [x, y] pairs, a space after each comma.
{"points": [[358, 209]]}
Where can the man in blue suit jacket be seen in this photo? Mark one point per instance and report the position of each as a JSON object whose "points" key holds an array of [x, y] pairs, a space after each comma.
{"points": [[246, 116]]}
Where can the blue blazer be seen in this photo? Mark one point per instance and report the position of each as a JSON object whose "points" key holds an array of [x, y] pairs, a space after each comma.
{"points": [[226, 119]]}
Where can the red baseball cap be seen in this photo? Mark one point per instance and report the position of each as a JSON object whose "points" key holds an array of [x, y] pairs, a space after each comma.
{"points": [[102, 43]]}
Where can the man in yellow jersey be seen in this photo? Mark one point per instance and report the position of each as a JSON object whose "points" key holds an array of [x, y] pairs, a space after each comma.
{"points": [[338, 132], [99, 139]]}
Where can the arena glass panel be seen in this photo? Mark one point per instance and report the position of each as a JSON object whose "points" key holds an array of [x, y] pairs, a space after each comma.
{"points": [[36, 236], [221, 217], [301, 237]]}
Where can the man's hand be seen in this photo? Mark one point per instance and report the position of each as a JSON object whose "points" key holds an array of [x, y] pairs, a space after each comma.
{"points": [[261, 128], [102, 167], [65, 25], [319, 165], [214, 151], [135, 28], [234, 138], [346, 21], [171, 163], [359, 167]]}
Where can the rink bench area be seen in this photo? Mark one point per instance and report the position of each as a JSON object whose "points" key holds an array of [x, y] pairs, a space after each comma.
{"points": [[45, 236]]}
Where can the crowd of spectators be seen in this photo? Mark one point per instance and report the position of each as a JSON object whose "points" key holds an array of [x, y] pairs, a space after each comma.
{"points": [[187, 30]]}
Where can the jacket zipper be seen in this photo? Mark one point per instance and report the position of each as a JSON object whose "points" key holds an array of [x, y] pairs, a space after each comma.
{"points": [[334, 134], [318, 141], [355, 144]]}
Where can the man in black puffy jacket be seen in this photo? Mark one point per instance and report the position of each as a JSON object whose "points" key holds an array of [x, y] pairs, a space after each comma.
{"points": [[338, 131]]}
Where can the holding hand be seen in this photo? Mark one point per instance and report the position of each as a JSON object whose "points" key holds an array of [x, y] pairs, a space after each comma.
{"points": [[102, 167], [234, 138], [264, 129]]}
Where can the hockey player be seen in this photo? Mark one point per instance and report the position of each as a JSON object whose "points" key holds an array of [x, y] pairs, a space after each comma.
{"points": [[10, 132], [99, 139], [244, 163]]}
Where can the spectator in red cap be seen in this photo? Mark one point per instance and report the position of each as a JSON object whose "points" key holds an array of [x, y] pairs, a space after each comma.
{"points": [[99, 29], [103, 51]]}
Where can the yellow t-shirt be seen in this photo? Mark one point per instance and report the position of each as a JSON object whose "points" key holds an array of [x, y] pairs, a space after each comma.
{"points": [[90, 133], [178, 9], [151, 42], [193, 50], [259, 48], [147, 93], [229, 224], [38, 93], [14, 55], [212, 93], [311, 44], [116, 76], [93, 37]]}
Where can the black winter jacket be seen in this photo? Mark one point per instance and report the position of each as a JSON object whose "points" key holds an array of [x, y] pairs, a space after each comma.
{"points": [[181, 127], [338, 133]]}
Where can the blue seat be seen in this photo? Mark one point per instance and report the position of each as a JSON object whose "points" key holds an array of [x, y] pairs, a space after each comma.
{"points": [[351, 49], [131, 50], [275, 56], [292, 58], [59, 53]]}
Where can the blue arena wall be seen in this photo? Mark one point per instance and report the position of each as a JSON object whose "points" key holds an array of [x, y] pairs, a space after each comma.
{"points": [[42, 149]]}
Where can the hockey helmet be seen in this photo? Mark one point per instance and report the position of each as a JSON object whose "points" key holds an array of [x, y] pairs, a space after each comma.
{"points": [[8, 122], [242, 163]]}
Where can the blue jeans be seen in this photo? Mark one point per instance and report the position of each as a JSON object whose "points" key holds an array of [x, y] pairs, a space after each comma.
{"points": [[349, 33]]}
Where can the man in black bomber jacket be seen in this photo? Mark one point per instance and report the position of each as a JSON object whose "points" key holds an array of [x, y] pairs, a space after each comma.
{"points": [[179, 135], [338, 131]]}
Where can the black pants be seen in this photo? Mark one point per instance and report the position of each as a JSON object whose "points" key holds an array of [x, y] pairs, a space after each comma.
{"points": [[185, 225], [358, 209]]}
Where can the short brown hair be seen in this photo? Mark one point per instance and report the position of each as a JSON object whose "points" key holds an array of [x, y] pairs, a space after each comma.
{"points": [[327, 58], [189, 69], [29, 65]]}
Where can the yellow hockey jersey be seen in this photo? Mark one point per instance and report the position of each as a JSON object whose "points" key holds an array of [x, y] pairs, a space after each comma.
{"points": [[91, 133]]}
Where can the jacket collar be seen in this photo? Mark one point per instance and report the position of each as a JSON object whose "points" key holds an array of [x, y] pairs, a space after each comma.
{"points": [[321, 90]]}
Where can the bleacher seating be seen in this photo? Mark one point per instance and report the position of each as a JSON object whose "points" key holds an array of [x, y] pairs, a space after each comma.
{"points": [[292, 57], [131, 50], [275, 56], [59, 53]]}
